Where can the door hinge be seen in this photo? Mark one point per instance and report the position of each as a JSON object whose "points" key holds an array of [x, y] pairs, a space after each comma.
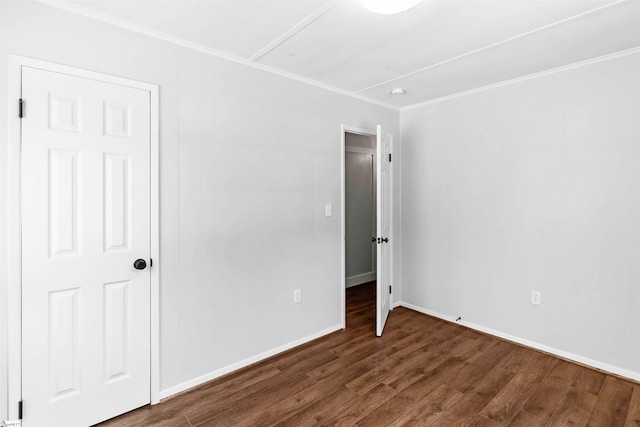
{"points": [[389, 288], [150, 262], [20, 108], [389, 156], [13, 423]]}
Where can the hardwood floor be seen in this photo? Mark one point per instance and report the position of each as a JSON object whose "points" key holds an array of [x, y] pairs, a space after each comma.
{"points": [[421, 372]]}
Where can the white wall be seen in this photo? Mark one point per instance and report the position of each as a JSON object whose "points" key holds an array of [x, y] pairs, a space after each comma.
{"points": [[532, 185], [248, 161]]}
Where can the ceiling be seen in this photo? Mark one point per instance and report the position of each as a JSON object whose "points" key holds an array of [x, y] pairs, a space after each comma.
{"points": [[437, 49]]}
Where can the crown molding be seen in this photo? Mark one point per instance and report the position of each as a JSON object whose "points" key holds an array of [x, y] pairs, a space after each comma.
{"points": [[127, 25], [532, 76], [159, 35]]}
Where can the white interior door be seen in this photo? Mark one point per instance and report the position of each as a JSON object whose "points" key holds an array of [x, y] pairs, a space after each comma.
{"points": [[383, 225], [85, 220]]}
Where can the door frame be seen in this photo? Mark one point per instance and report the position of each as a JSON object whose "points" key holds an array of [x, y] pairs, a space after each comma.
{"points": [[344, 129], [14, 238]]}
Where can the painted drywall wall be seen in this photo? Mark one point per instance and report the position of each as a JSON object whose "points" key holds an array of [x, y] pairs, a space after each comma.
{"points": [[248, 161], [359, 217], [531, 186]]}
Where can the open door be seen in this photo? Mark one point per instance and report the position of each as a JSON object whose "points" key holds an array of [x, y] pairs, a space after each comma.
{"points": [[383, 227]]}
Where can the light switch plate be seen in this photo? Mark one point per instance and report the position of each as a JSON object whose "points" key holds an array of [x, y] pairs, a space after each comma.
{"points": [[327, 210], [535, 297]]}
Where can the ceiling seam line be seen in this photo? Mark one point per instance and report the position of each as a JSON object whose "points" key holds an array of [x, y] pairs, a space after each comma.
{"points": [[489, 46], [304, 23]]}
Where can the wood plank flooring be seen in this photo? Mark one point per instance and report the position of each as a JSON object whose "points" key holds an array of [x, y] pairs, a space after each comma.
{"points": [[421, 372]]}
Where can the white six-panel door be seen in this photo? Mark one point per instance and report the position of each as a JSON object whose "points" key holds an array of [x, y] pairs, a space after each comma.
{"points": [[85, 220], [383, 219]]}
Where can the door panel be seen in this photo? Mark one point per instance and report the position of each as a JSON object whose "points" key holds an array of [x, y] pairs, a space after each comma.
{"points": [[117, 298], [383, 219], [85, 219], [116, 201], [64, 375], [63, 202]]}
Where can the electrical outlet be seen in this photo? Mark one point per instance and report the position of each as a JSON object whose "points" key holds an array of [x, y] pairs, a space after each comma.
{"points": [[297, 296], [535, 297]]}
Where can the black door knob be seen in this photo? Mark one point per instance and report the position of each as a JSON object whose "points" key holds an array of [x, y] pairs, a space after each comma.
{"points": [[140, 264], [373, 240], [385, 240]]}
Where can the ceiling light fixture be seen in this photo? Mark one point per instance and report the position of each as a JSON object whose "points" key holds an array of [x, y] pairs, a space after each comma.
{"points": [[398, 91], [388, 7]]}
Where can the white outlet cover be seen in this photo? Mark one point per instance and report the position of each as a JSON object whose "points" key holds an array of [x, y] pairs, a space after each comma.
{"points": [[327, 209], [297, 296]]}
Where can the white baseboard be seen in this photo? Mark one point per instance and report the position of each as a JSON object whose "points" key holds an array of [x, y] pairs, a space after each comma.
{"points": [[246, 362], [360, 279], [545, 348]]}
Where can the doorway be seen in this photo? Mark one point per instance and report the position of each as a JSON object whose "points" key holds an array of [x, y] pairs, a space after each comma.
{"points": [[360, 208], [367, 218]]}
